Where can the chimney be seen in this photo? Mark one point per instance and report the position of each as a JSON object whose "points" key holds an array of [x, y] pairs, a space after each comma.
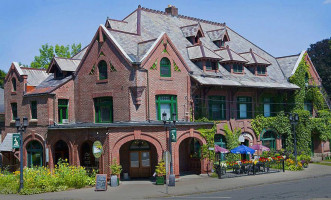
{"points": [[172, 10]]}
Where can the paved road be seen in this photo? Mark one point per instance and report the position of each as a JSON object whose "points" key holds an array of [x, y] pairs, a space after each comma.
{"points": [[311, 188]]}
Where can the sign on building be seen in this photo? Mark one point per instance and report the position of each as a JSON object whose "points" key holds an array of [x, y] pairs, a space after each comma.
{"points": [[97, 149], [16, 141], [173, 135]]}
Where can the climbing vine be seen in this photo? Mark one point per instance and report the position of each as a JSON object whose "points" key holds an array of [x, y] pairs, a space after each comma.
{"points": [[232, 141], [208, 135]]}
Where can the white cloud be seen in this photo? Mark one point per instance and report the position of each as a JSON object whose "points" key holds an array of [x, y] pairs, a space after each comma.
{"points": [[327, 2]]}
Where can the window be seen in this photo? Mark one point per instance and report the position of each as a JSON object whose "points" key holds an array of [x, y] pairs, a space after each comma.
{"points": [[261, 70], [103, 110], [217, 107], [35, 154], [102, 66], [58, 74], [33, 108], [219, 43], [13, 82], [269, 140], [237, 68], [211, 65], [14, 110], [167, 104], [267, 107], [244, 107], [165, 67], [63, 110], [309, 107]]}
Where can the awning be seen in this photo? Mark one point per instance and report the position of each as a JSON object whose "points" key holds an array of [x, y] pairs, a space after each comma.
{"points": [[7, 143]]}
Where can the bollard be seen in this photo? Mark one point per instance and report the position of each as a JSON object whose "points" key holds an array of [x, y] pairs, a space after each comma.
{"points": [[283, 165]]}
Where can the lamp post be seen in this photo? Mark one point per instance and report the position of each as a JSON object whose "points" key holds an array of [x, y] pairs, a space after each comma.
{"points": [[21, 128], [164, 119], [294, 119]]}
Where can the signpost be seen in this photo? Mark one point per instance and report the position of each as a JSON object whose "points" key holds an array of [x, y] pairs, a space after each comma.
{"points": [[101, 182], [173, 134], [97, 149], [167, 159], [16, 141]]}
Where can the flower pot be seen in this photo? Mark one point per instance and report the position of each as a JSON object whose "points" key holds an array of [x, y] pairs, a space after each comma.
{"points": [[113, 181], [159, 180]]}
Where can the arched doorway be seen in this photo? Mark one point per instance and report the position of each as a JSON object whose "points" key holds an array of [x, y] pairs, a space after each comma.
{"points": [[87, 159], [61, 151], [138, 158], [190, 156], [220, 141], [34, 154], [269, 140]]}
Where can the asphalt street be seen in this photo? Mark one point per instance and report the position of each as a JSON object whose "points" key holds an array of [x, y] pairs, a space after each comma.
{"points": [[311, 188]]}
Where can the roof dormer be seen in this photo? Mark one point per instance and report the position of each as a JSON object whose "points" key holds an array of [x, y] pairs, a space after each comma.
{"points": [[231, 61], [256, 64], [63, 67], [193, 33], [219, 37]]}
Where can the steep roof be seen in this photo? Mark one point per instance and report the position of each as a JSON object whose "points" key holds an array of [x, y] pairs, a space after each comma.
{"points": [[65, 64], [217, 34], [200, 51], [35, 76], [146, 25], [254, 58], [288, 63], [229, 55]]}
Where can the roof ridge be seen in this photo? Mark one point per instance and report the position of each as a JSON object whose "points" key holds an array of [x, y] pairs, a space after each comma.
{"points": [[288, 56], [67, 58], [182, 16], [30, 68]]}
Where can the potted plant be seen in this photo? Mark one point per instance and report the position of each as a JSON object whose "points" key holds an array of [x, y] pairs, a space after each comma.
{"points": [[160, 173], [115, 170]]}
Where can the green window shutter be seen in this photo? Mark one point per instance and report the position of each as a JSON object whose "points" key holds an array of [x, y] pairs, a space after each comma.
{"points": [[165, 67]]}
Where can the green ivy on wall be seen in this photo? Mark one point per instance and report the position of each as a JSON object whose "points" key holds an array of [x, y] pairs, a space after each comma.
{"points": [[208, 135]]}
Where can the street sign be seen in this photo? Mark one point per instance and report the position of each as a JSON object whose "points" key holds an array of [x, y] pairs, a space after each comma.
{"points": [[173, 135], [16, 141], [97, 149]]}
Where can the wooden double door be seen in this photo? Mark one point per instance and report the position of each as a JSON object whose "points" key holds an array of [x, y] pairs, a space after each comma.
{"points": [[140, 164]]}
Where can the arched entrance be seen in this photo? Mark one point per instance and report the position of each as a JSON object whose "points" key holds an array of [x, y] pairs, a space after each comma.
{"points": [[269, 140], [61, 151], [138, 158], [34, 154], [87, 159], [190, 156]]}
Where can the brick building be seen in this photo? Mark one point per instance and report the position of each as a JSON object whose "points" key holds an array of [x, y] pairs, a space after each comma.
{"points": [[116, 89]]}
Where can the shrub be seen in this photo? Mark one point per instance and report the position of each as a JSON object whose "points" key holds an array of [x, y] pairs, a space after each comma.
{"points": [[115, 168], [160, 169]]}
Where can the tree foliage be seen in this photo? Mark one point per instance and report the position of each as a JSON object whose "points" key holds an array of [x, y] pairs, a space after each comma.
{"points": [[232, 142], [320, 54], [47, 52], [2, 78]]}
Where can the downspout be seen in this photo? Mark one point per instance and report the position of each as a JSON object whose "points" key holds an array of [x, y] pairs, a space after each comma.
{"points": [[148, 107]]}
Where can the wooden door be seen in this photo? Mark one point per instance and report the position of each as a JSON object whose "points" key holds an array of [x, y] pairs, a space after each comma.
{"points": [[140, 164]]}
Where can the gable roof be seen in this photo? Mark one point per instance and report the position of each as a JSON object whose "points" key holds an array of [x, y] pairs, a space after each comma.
{"points": [[288, 63], [229, 55], [200, 51], [254, 58], [191, 30], [217, 34], [64, 64], [151, 23]]}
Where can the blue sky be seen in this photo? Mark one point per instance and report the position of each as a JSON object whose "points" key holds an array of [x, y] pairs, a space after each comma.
{"points": [[281, 27]]}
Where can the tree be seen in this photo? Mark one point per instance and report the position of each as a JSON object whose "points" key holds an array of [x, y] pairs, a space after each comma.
{"points": [[320, 54], [2, 78], [47, 52]]}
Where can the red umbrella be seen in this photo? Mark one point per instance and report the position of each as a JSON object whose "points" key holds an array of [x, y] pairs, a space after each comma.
{"points": [[219, 149], [260, 147]]}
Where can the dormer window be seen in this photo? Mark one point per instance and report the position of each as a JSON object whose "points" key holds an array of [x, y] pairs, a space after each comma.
{"points": [[261, 70], [211, 65], [58, 74], [193, 33], [219, 43], [237, 68]]}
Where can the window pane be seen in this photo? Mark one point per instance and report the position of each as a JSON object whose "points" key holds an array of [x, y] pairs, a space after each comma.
{"points": [[102, 70], [134, 159], [243, 110], [165, 67], [105, 113], [267, 110], [145, 161], [14, 110], [167, 109]]}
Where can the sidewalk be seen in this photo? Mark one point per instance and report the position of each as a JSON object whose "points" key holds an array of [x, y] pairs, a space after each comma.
{"points": [[185, 185]]}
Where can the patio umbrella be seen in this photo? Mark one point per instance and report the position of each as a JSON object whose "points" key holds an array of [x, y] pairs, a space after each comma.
{"points": [[260, 147], [219, 149], [242, 149]]}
